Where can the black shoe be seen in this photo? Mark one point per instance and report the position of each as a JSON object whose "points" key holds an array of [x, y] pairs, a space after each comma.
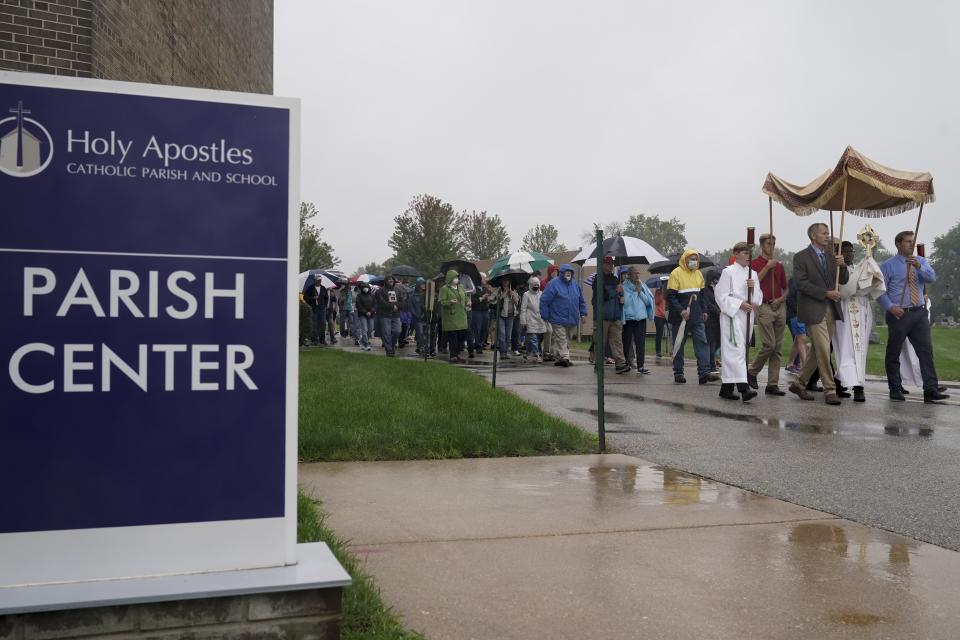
{"points": [[934, 396], [904, 391], [728, 394], [558, 363], [566, 362], [774, 390], [623, 369], [858, 395], [896, 395], [748, 395], [679, 379], [470, 354], [843, 394], [942, 389], [752, 381]]}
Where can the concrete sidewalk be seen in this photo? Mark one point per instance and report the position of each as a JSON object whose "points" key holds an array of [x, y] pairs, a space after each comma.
{"points": [[614, 547]]}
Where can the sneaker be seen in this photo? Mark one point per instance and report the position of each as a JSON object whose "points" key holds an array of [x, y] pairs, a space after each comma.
{"points": [[679, 379], [539, 359], [793, 369], [515, 352], [643, 371]]}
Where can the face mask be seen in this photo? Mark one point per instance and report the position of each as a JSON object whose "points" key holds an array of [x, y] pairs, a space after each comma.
{"points": [[536, 288], [568, 276], [692, 264], [455, 282]]}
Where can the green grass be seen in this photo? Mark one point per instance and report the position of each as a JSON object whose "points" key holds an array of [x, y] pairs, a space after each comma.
{"points": [[362, 407], [946, 351], [365, 617]]}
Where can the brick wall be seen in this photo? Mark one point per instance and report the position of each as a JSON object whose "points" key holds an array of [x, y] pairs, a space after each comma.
{"points": [[46, 37], [216, 44]]}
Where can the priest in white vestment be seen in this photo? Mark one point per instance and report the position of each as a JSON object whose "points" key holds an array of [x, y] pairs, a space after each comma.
{"points": [[852, 337], [735, 325]]}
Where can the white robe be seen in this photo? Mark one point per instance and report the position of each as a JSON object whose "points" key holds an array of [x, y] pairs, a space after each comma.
{"points": [[852, 336], [730, 292]]}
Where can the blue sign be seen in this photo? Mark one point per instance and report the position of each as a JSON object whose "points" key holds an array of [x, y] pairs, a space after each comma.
{"points": [[144, 278]]}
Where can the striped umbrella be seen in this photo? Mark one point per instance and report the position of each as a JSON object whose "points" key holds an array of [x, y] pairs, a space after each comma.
{"points": [[520, 261]]}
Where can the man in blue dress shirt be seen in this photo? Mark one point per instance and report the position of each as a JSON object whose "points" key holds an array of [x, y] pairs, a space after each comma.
{"points": [[905, 276]]}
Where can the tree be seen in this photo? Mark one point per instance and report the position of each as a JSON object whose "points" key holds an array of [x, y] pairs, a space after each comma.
{"points": [[946, 262], [666, 236], [374, 268], [483, 236], [542, 239], [313, 251], [426, 234]]}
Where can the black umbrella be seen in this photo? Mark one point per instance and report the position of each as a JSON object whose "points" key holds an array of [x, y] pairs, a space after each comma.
{"points": [[672, 261], [516, 277], [462, 266], [404, 270], [624, 249]]}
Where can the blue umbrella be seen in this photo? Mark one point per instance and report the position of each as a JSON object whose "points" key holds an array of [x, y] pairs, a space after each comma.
{"points": [[654, 282]]}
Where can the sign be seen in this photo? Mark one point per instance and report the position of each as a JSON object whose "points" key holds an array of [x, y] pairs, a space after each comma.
{"points": [[148, 359]]}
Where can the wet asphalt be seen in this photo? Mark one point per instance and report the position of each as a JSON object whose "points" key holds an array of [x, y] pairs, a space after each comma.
{"points": [[895, 466]]}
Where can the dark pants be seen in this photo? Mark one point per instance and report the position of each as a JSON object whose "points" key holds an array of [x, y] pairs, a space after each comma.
{"points": [[515, 337], [319, 317], [713, 341], [472, 341], [661, 324], [456, 339], [700, 347], [914, 326], [635, 333], [481, 327]]}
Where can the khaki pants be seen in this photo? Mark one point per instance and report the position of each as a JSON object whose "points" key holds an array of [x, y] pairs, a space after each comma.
{"points": [[770, 326], [613, 334], [547, 347], [821, 334], [561, 341]]}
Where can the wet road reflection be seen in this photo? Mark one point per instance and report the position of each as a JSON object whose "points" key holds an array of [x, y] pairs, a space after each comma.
{"points": [[844, 427]]}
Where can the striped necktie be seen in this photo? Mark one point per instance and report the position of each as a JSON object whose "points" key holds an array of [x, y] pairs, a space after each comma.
{"points": [[912, 286]]}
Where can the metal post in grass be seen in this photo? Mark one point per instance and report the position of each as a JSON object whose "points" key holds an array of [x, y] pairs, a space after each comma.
{"points": [[496, 339], [598, 349], [428, 314]]}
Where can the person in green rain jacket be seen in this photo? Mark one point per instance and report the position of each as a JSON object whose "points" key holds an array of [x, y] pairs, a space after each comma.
{"points": [[453, 314]]}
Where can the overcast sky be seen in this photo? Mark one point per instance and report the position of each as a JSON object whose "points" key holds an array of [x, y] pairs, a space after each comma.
{"points": [[575, 112]]}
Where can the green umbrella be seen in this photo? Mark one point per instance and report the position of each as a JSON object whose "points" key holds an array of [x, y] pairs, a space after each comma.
{"points": [[525, 261]]}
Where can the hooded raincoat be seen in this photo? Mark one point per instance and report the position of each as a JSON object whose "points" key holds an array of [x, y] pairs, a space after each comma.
{"points": [[683, 284], [562, 302], [453, 305]]}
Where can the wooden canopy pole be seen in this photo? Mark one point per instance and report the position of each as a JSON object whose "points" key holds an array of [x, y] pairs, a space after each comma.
{"points": [[843, 215], [915, 233], [770, 199]]}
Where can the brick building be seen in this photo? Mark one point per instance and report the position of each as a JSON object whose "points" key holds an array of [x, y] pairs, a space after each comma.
{"points": [[215, 44]]}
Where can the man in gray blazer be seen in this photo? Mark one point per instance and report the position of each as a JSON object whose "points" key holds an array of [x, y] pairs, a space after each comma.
{"points": [[818, 305]]}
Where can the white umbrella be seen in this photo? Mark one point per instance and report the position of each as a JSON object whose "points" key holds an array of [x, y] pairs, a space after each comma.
{"points": [[627, 250], [326, 282]]}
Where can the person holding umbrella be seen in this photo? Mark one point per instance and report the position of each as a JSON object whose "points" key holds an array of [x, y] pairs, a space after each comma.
{"points": [[315, 295], [608, 291], [685, 301], [508, 301], [562, 305], [453, 311]]}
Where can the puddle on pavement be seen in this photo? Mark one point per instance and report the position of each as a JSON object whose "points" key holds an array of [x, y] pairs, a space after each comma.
{"points": [[657, 485]]}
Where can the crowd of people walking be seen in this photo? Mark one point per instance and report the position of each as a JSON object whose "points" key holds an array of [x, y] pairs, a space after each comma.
{"points": [[827, 301]]}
